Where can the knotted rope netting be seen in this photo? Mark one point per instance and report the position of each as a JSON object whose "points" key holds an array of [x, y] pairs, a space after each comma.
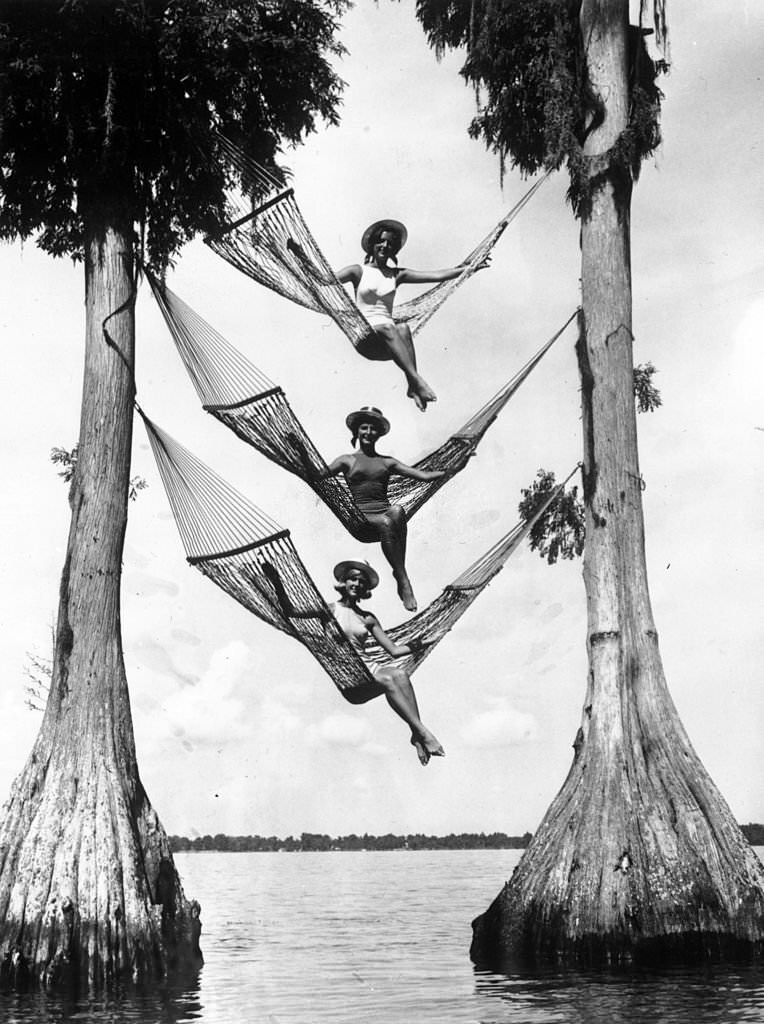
{"points": [[239, 548], [242, 397]]}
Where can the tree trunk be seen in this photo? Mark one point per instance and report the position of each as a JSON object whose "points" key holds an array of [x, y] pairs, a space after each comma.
{"points": [[638, 854], [88, 888]]}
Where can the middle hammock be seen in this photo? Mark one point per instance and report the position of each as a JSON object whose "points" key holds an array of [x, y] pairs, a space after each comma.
{"points": [[245, 400], [234, 543]]}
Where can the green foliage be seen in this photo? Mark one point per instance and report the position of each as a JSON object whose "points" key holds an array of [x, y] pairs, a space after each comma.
{"points": [[68, 460], [110, 104], [535, 104], [647, 395], [560, 531]]}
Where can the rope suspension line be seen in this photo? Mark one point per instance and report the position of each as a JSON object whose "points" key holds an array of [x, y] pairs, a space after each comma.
{"points": [[243, 398], [236, 545], [266, 238]]}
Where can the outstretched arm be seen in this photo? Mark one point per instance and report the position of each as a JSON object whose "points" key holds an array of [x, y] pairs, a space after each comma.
{"points": [[340, 465], [290, 612], [416, 474], [393, 649], [351, 274], [406, 276], [312, 471]]}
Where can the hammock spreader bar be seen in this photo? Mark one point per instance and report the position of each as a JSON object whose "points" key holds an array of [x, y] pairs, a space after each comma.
{"points": [[232, 542], [249, 403], [274, 246]]}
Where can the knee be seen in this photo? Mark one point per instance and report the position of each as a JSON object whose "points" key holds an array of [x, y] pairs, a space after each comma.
{"points": [[387, 682], [400, 678], [396, 516]]}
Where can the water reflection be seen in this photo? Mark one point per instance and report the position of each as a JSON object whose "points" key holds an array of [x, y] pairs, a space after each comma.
{"points": [[706, 994], [383, 938], [165, 1003]]}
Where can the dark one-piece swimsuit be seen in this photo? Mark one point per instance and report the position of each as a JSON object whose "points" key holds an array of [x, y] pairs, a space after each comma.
{"points": [[367, 479]]}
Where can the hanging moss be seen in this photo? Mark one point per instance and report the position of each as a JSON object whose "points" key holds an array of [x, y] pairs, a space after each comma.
{"points": [[535, 103]]}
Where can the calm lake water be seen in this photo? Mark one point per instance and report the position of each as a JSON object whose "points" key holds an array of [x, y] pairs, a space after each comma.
{"points": [[383, 938]]}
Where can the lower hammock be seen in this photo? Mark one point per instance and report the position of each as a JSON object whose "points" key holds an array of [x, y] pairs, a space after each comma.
{"points": [[236, 545]]}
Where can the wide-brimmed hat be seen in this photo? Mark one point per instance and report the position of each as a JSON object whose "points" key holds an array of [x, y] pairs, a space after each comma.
{"points": [[383, 225], [342, 569], [367, 412]]}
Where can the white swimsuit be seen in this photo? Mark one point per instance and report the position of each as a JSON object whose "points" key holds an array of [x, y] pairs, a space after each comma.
{"points": [[375, 295]]}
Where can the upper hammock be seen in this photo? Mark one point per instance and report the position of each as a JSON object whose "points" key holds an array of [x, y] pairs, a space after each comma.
{"points": [[273, 245], [244, 399], [230, 541]]}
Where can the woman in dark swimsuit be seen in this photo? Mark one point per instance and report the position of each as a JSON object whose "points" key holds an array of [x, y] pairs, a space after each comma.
{"points": [[368, 474]]}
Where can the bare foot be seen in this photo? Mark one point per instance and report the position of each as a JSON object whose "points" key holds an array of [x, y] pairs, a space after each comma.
{"points": [[406, 594], [432, 745], [422, 754], [422, 394]]}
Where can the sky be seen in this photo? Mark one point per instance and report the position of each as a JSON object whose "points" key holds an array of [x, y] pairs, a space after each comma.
{"points": [[237, 729]]}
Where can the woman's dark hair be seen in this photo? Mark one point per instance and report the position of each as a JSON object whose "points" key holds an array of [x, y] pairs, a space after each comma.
{"points": [[363, 596]]}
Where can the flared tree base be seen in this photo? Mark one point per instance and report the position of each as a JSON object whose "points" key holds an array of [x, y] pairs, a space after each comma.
{"points": [[89, 893], [638, 858]]}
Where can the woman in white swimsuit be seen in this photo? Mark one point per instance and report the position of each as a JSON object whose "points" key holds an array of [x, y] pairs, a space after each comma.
{"points": [[355, 582], [375, 284]]}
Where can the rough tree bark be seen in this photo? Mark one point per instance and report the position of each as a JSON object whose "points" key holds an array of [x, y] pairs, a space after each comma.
{"points": [[88, 888], [638, 854]]}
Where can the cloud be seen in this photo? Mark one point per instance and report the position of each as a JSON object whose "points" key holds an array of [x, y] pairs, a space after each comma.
{"points": [[154, 657], [183, 637], [538, 649], [148, 586], [551, 612], [213, 710], [342, 731], [747, 363], [374, 749], [487, 517], [502, 726]]}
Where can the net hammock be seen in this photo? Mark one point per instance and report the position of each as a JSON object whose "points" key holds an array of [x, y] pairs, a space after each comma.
{"points": [[272, 244], [234, 544], [240, 396]]}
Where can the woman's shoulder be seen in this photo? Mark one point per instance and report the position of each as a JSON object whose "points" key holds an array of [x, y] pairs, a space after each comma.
{"points": [[351, 273]]}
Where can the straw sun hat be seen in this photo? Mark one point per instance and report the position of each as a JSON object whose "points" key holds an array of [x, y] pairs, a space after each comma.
{"points": [[371, 232], [342, 569], [367, 412]]}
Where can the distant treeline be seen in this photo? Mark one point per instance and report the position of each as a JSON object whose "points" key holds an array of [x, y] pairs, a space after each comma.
{"points": [[313, 842], [754, 834]]}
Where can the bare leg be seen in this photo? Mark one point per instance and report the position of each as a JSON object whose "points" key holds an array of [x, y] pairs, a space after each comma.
{"points": [[400, 696], [393, 529], [400, 345]]}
